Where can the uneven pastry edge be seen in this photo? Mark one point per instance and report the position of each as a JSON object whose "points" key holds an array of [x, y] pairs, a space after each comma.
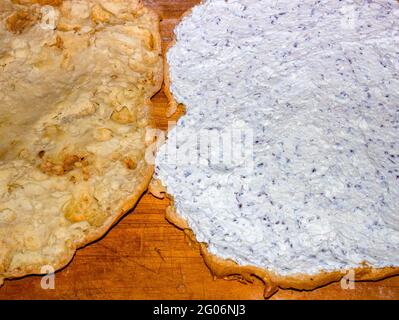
{"points": [[129, 204], [229, 269], [226, 268], [91, 237]]}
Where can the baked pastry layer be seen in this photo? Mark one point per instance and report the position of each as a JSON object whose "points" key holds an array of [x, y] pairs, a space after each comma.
{"points": [[76, 79]]}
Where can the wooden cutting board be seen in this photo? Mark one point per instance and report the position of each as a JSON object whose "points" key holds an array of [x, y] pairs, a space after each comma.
{"points": [[144, 257]]}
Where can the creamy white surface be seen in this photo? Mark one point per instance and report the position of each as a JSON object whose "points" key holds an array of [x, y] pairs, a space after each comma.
{"points": [[317, 81]]}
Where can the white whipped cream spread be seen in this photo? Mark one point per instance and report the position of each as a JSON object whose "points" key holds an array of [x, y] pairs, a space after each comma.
{"points": [[317, 82]]}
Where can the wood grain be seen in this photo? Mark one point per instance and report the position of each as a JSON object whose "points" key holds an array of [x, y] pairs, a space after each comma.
{"points": [[144, 257]]}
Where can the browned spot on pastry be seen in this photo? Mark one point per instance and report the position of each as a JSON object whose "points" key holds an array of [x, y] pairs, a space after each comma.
{"points": [[73, 179], [19, 21], [59, 43], [13, 186], [151, 42], [98, 14], [130, 163], [85, 173], [85, 208], [54, 3], [148, 80], [124, 116], [51, 168], [54, 167], [69, 162]]}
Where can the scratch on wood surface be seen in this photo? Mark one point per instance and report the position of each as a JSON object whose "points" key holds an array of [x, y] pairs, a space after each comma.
{"points": [[157, 250]]}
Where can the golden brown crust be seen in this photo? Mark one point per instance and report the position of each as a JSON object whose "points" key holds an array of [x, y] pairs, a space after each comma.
{"points": [[19, 20], [223, 268], [91, 237], [144, 172], [54, 3]]}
